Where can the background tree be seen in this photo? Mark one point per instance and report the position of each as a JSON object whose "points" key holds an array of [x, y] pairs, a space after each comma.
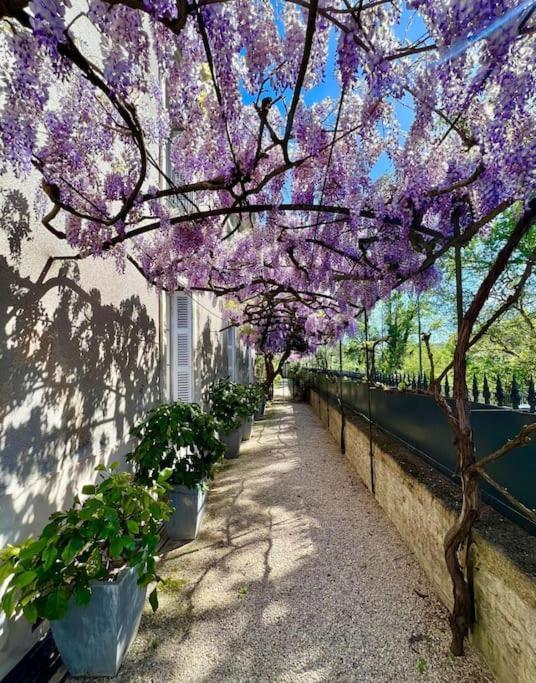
{"points": [[399, 320]]}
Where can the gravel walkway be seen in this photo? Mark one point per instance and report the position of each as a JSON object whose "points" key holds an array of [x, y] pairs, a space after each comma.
{"points": [[296, 576]]}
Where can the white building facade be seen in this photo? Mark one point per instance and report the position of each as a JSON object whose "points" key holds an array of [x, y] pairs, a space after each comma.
{"points": [[85, 352]]}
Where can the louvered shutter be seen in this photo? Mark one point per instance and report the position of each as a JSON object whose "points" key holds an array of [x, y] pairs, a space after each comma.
{"points": [[182, 370]]}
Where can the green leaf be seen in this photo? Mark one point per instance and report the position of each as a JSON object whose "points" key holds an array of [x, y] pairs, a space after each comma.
{"points": [[6, 569], [145, 580], [128, 543], [49, 555], [165, 474], [89, 489], [70, 551], [133, 526], [8, 603], [87, 513], [114, 465], [94, 563], [50, 530], [24, 578], [82, 595], [9, 552], [55, 604], [116, 547], [153, 600], [151, 541], [30, 612], [32, 549], [111, 515], [100, 468]]}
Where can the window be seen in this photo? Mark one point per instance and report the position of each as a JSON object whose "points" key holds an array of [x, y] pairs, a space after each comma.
{"points": [[182, 375]]}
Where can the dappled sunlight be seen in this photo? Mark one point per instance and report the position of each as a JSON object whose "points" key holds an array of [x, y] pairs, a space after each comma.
{"points": [[221, 201], [288, 582]]}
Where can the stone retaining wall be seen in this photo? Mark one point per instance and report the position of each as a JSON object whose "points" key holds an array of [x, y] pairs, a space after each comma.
{"points": [[422, 504]]}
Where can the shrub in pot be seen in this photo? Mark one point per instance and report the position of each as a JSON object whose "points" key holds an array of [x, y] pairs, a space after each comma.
{"points": [[261, 398], [228, 405], [182, 438], [88, 571], [248, 408]]}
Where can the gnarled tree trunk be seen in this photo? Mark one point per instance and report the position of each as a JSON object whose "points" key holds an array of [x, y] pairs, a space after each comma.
{"points": [[272, 371], [459, 535]]}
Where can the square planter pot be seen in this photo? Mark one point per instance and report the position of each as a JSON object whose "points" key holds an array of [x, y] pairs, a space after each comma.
{"points": [[189, 506], [231, 441], [260, 410], [93, 640], [245, 428]]}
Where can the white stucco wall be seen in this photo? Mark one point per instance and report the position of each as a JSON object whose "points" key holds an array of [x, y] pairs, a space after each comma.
{"points": [[80, 351], [84, 353], [79, 363]]}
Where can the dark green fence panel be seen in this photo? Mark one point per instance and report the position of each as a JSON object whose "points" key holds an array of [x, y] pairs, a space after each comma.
{"points": [[417, 421]]}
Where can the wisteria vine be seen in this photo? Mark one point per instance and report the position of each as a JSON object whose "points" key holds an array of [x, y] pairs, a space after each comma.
{"points": [[265, 196], [299, 158]]}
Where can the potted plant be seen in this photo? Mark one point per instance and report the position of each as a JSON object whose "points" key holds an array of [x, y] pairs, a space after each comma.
{"points": [[88, 571], [247, 408], [262, 394], [182, 438], [227, 405]]}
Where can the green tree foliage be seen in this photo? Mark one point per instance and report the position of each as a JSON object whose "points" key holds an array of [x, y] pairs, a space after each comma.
{"points": [[400, 312], [509, 346]]}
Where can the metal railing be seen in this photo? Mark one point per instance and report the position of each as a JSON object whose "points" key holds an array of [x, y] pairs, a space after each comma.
{"points": [[415, 419], [519, 395]]}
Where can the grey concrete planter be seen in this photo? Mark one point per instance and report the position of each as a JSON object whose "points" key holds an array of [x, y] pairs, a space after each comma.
{"points": [[189, 506], [245, 427], [231, 441], [260, 410], [93, 640]]}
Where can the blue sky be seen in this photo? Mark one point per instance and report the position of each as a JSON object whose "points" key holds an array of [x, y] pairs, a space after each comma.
{"points": [[410, 28]]}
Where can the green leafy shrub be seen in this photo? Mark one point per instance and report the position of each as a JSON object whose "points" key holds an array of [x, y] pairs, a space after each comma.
{"points": [[229, 403], [178, 436], [253, 395], [260, 393], [116, 526]]}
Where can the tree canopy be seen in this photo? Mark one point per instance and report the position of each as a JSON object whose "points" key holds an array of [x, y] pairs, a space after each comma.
{"points": [[320, 153]]}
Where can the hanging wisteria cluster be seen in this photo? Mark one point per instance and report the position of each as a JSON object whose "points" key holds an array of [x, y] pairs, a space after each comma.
{"points": [[300, 208]]}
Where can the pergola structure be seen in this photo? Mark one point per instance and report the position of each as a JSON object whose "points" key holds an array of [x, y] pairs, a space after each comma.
{"points": [[321, 153]]}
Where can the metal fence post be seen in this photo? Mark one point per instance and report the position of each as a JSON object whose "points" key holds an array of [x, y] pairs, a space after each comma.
{"points": [[367, 361]]}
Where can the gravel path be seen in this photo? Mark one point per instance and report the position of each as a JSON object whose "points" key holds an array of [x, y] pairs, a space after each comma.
{"points": [[296, 576]]}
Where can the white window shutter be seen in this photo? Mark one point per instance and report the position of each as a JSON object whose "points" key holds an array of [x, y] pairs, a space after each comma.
{"points": [[231, 353], [183, 376]]}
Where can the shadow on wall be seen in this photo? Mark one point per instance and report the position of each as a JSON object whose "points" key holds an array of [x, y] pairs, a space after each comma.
{"points": [[75, 374], [72, 371], [211, 358]]}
